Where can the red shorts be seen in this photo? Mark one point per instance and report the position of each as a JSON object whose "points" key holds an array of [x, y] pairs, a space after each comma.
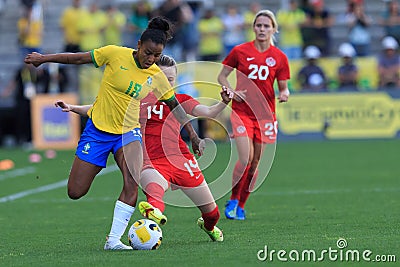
{"points": [[179, 171], [261, 131]]}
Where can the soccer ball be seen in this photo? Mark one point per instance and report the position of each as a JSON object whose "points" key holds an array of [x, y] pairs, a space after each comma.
{"points": [[145, 234]]}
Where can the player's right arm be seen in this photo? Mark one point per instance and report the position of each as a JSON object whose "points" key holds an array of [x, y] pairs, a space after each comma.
{"points": [[80, 110], [37, 59], [223, 80], [214, 110]]}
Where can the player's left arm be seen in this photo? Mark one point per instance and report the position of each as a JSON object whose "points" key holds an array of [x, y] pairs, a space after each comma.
{"points": [[283, 91], [180, 114], [78, 109], [214, 110]]}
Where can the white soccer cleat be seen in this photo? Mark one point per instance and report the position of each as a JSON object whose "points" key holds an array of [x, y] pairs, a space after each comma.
{"points": [[117, 246]]}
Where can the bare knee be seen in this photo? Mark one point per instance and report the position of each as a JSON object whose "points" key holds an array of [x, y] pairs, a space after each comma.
{"points": [[73, 194]]}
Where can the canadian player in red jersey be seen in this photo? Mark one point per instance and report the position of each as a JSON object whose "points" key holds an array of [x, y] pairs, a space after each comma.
{"points": [[258, 63], [167, 159]]}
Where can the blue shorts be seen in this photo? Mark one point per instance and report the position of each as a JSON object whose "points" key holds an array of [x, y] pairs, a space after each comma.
{"points": [[95, 145]]}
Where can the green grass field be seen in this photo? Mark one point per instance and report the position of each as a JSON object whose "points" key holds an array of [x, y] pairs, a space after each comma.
{"points": [[315, 193]]}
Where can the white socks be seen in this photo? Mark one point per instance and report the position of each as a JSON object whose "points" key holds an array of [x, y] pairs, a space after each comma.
{"points": [[122, 215]]}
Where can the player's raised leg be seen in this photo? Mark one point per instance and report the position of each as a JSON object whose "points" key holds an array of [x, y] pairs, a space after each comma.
{"points": [[81, 178], [154, 187], [203, 199]]}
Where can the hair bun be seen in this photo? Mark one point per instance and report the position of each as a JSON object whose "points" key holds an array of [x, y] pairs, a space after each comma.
{"points": [[159, 23]]}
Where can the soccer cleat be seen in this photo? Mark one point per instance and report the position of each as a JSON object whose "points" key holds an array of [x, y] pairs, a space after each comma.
{"points": [[149, 212], [118, 246], [215, 234], [240, 214], [230, 208]]}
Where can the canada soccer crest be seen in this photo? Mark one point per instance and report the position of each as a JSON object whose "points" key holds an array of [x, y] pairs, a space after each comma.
{"points": [[241, 129], [270, 62]]}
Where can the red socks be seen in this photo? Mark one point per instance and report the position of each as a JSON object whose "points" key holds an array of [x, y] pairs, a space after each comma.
{"points": [[155, 193], [247, 187], [240, 173], [210, 219]]}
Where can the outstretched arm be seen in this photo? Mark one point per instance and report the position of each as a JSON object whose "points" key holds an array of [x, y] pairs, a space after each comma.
{"points": [[37, 59], [223, 80], [214, 110], [181, 116], [80, 110]]}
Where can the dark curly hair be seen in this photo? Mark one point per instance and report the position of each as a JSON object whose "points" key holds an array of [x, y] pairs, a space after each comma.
{"points": [[158, 31]]}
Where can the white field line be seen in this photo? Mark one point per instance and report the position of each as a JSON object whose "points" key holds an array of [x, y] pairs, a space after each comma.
{"points": [[17, 172], [49, 187], [328, 191], [274, 193]]}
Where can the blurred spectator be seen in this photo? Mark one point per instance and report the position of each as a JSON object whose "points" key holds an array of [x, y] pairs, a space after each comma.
{"points": [[30, 32], [389, 64], [249, 16], [91, 26], [343, 18], [305, 5], [28, 3], [391, 19], [211, 30], [233, 24], [69, 25], [191, 33], [138, 20], [359, 35], [116, 22], [290, 38], [311, 76], [27, 82], [2, 4], [315, 29], [347, 71], [180, 14]]}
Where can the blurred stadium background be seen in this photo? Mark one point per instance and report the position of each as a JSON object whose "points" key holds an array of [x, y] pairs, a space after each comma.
{"points": [[298, 119], [336, 186]]}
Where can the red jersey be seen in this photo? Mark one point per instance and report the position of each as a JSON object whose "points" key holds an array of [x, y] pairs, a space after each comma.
{"points": [[160, 128], [256, 73]]}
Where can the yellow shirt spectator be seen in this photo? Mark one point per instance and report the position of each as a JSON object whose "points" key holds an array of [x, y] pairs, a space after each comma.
{"points": [[69, 23], [289, 23], [116, 21], [30, 32], [91, 26], [211, 30]]}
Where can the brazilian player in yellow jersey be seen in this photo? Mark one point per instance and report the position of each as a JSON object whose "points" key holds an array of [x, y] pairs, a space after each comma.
{"points": [[129, 75], [124, 82]]}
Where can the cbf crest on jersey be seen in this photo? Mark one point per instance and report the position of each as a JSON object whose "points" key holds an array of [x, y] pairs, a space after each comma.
{"points": [[270, 61], [149, 80]]}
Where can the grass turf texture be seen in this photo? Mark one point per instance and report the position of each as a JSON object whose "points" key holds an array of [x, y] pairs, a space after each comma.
{"points": [[315, 193]]}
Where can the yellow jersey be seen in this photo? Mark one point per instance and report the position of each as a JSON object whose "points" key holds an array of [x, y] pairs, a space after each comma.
{"points": [[124, 84], [69, 22]]}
